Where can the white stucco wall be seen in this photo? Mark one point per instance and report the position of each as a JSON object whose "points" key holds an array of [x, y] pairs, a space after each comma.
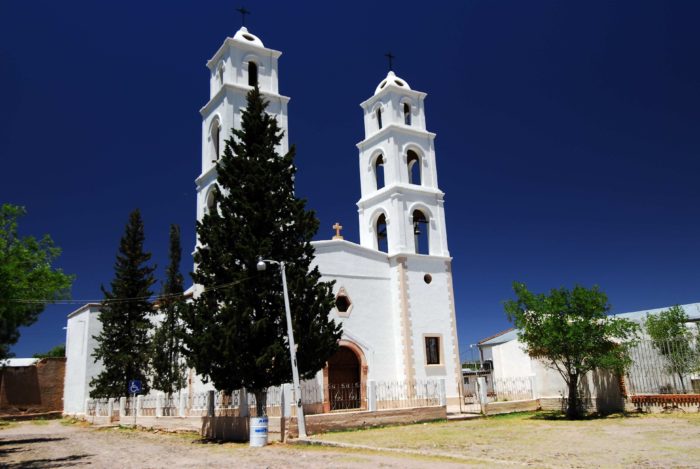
{"points": [[82, 326]]}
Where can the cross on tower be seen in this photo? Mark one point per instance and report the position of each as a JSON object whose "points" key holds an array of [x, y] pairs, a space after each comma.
{"points": [[337, 227], [391, 58], [243, 12]]}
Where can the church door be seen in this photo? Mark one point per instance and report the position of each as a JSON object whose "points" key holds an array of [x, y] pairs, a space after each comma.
{"points": [[344, 380]]}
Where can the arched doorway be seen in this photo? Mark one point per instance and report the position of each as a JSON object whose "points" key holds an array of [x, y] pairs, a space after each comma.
{"points": [[345, 379]]}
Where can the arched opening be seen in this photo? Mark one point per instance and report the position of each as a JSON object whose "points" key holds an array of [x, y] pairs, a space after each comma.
{"points": [[345, 378], [420, 232], [406, 113], [382, 238], [379, 118], [215, 140], [252, 73], [379, 171], [210, 203], [414, 167]]}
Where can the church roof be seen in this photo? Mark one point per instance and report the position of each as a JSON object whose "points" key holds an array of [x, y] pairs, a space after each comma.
{"points": [[392, 80]]}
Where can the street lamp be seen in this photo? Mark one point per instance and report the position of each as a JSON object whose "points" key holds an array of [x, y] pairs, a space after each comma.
{"points": [[301, 423]]}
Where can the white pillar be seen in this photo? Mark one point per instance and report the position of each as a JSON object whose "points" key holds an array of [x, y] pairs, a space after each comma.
{"points": [[110, 408], [443, 392], [287, 393], [183, 402], [139, 405], [533, 387], [372, 395], [122, 407], [159, 405], [87, 407]]}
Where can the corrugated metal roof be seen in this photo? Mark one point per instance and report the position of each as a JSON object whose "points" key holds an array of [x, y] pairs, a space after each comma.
{"points": [[19, 361]]}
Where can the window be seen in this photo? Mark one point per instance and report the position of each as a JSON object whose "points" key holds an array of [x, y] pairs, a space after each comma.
{"points": [[420, 232], [252, 73], [406, 113], [414, 169], [382, 239], [215, 137], [432, 350], [379, 171], [379, 118], [211, 202]]}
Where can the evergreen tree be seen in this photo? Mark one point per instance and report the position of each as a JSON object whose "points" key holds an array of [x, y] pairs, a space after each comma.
{"points": [[238, 329], [124, 344], [168, 368]]}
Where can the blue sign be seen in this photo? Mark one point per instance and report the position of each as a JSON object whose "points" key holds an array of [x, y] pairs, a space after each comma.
{"points": [[135, 386]]}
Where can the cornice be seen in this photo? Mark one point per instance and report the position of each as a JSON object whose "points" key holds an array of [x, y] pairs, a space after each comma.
{"points": [[244, 89], [402, 129], [399, 189]]}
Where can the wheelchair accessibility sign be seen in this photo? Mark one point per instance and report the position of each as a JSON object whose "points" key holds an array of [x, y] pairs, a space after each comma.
{"points": [[135, 386]]}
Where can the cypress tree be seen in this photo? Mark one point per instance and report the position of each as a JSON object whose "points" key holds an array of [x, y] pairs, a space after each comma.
{"points": [[238, 330], [168, 368], [123, 345]]}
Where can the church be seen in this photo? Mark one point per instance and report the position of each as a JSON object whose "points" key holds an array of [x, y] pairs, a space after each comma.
{"points": [[394, 290]]}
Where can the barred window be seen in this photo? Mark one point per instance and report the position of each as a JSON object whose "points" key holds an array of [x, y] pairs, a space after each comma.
{"points": [[432, 350]]}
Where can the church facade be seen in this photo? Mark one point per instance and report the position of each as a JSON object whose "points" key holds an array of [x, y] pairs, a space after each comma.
{"points": [[394, 290]]}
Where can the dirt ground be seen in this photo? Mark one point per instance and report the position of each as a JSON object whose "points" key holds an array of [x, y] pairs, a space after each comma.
{"points": [[51, 444], [503, 441]]}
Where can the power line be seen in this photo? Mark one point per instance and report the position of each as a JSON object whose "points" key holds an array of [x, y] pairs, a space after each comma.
{"points": [[152, 298]]}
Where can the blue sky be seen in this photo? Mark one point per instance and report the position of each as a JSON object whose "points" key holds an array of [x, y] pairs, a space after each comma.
{"points": [[567, 133]]}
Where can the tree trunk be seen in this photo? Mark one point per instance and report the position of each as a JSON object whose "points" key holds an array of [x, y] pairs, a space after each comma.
{"points": [[573, 409], [680, 376], [260, 402]]}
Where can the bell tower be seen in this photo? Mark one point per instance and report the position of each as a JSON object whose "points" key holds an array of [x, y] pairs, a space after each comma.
{"points": [[241, 62], [401, 209]]}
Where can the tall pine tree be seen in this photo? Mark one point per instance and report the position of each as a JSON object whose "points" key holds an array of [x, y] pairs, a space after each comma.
{"points": [[167, 365], [238, 331], [124, 343]]}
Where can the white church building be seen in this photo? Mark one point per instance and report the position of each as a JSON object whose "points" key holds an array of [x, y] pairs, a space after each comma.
{"points": [[394, 290]]}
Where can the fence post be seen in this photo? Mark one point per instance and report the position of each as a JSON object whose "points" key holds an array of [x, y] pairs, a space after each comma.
{"points": [[139, 405], [87, 407], [372, 395], [183, 401], [122, 407], [243, 409], [443, 392], [481, 390], [159, 405], [110, 408], [533, 387], [211, 402]]}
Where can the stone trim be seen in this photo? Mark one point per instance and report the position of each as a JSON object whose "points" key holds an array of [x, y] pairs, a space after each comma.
{"points": [[406, 325], [453, 328]]}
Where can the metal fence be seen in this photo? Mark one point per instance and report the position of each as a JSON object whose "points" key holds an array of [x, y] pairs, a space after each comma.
{"points": [[402, 394], [669, 367], [517, 388]]}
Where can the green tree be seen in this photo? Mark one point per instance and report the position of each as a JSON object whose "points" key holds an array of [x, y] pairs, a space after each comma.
{"points": [[572, 332], [168, 367], [674, 340], [57, 351], [123, 345], [28, 279], [238, 329]]}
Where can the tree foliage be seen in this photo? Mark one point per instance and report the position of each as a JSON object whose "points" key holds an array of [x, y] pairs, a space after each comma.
{"points": [[57, 351], [676, 342], [123, 345], [28, 279], [572, 332], [167, 364], [238, 328]]}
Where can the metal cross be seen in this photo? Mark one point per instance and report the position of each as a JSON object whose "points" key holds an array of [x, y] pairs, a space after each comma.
{"points": [[243, 12], [337, 227], [391, 60]]}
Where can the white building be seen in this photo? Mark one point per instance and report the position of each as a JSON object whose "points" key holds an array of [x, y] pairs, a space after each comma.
{"points": [[394, 290]]}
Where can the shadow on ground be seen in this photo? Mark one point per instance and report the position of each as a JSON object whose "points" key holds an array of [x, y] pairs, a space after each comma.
{"points": [[20, 445]]}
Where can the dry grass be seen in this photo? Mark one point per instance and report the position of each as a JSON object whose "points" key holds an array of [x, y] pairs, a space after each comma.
{"points": [[536, 438]]}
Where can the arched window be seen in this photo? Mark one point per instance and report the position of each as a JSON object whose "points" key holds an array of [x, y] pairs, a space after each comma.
{"points": [[220, 74], [382, 238], [379, 171], [215, 140], [252, 73], [406, 113], [420, 232], [211, 202], [379, 118], [414, 169]]}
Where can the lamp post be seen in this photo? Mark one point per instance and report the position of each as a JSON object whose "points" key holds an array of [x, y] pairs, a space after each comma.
{"points": [[301, 423]]}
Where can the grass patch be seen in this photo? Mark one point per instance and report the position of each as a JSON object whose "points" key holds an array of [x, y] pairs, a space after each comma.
{"points": [[6, 424], [40, 422]]}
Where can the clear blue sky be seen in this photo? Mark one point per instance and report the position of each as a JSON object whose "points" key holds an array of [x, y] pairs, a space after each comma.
{"points": [[568, 139]]}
